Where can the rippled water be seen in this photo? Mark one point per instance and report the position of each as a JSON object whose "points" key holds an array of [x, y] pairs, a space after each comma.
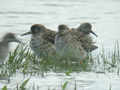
{"points": [[83, 80], [18, 15]]}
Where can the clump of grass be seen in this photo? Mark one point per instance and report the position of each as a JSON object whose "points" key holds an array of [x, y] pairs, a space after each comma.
{"points": [[24, 61], [109, 62], [20, 87]]}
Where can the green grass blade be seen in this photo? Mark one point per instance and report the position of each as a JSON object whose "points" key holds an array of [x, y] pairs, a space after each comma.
{"points": [[4, 88], [24, 84], [64, 85]]}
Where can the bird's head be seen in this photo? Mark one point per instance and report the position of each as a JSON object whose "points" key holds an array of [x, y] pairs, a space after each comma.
{"points": [[86, 28], [10, 37], [35, 29], [62, 29]]}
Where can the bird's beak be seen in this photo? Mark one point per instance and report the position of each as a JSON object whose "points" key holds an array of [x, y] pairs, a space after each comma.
{"points": [[27, 33], [93, 33]]}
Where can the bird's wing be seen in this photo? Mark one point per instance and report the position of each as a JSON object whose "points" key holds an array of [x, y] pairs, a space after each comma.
{"points": [[50, 36]]}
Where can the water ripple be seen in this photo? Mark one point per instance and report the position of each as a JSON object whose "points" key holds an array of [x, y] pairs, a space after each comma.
{"points": [[20, 12]]}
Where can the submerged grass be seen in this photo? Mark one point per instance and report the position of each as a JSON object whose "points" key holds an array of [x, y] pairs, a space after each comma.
{"points": [[24, 61]]}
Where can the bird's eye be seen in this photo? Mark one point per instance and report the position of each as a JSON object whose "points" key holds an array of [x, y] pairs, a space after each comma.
{"points": [[37, 28]]}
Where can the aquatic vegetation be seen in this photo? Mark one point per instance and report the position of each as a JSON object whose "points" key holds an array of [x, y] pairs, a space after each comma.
{"points": [[4, 88], [64, 85], [18, 87], [22, 60], [22, 86]]}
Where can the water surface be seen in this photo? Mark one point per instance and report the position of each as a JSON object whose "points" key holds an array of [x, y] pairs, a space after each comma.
{"points": [[18, 15]]}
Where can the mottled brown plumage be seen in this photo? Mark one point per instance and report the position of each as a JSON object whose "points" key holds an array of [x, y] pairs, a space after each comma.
{"points": [[67, 44], [83, 35], [42, 40], [50, 36]]}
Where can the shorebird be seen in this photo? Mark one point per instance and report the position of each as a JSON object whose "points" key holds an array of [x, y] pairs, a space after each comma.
{"points": [[83, 34], [4, 45], [67, 44], [42, 40], [86, 29]]}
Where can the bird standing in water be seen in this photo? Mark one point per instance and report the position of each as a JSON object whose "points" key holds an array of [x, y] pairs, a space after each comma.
{"points": [[4, 45], [42, 40], [67, 45], [83, 34]]}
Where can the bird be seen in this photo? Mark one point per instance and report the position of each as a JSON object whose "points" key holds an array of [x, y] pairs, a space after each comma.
{"points": [[67, 45], [4, 45], [86, 29], [42, 41], [83, 34]]}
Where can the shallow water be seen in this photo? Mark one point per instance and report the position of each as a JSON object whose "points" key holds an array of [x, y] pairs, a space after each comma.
{"points": [[18, 15], [83, 80]]}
